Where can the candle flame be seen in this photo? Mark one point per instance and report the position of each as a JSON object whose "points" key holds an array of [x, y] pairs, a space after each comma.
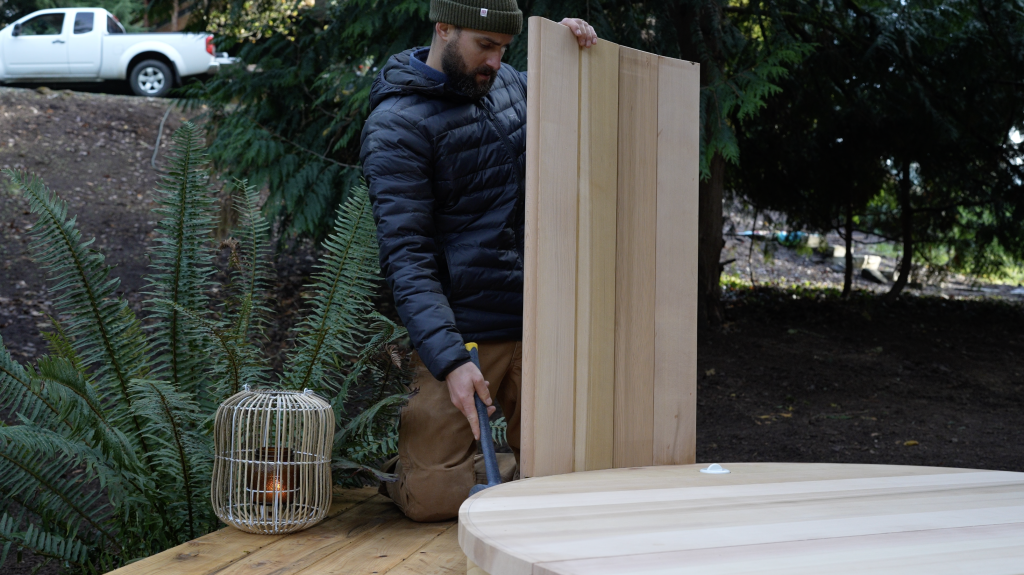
{"points": [[275, 483]]}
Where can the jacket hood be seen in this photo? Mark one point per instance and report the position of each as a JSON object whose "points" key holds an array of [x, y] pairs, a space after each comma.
{"points": [[399, 78]]}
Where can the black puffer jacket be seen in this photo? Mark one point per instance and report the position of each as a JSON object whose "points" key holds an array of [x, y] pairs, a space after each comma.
{"points": [[447, 181]]}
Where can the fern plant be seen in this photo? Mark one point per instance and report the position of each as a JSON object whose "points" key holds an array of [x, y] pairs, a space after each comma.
{"points": [[105, 442]]}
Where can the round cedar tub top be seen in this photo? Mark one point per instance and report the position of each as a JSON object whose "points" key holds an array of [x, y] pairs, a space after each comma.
{"points": [[765, 518]]}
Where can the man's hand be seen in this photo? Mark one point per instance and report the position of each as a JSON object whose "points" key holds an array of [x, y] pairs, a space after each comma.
{"points": [[584, 32], [462, 383]]}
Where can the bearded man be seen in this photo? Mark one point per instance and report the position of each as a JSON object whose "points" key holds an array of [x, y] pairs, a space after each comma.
{"points": [[444, 155]]}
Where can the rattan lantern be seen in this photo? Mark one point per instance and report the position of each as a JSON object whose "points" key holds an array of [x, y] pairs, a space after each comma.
{"points": [[272, 461]]}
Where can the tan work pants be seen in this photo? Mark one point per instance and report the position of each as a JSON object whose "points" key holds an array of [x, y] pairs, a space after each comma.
{"points": [[435, 443]]}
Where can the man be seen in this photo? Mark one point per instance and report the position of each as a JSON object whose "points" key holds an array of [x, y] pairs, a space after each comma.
{"points": [[443, 153]]}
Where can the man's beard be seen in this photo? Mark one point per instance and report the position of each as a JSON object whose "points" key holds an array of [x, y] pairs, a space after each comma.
{"points": [[454, 66]]}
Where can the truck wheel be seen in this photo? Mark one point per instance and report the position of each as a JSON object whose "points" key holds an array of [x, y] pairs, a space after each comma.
{"points": [[151, 78]]}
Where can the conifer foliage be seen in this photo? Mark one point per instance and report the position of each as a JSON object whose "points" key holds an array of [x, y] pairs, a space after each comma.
{"points": [[106, 441]]}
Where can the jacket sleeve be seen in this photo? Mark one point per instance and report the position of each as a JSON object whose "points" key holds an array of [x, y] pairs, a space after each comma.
{"points": [[397, 166]]}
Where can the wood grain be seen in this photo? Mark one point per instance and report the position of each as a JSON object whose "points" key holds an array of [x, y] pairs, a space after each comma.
{"points": [[527, 394], [306, 548], [986, 549], [550, 272], [675, 307], [636, 228], [763, 518], [595, 300], [213, 552], [382, 551], [441, 556]]}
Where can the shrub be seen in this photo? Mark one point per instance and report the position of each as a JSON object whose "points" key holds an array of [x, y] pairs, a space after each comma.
{"points": [[106, 452]]}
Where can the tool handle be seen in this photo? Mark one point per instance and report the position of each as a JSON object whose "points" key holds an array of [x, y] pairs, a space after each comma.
{"points": [[486, 442]]}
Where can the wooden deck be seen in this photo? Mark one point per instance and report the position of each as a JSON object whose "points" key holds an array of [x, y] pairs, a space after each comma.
{"points": [[364, 533]]}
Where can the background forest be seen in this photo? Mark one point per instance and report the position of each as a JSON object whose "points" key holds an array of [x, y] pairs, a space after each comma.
{"points": [[894, 118]]}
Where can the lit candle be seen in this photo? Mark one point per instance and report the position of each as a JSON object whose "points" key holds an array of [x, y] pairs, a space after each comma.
{"points": [[272, 482]]}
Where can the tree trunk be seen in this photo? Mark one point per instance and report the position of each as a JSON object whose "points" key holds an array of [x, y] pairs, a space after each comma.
{"points": [[848, 268], [907, 219], [710, 243], [174, 16], [686, 17]]}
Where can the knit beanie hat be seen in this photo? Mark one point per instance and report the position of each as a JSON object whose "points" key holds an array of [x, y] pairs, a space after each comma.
{"points": [[498, 16]]}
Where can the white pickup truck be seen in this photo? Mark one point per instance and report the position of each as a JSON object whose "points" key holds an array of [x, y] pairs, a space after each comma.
{"points": [[89, 44]]}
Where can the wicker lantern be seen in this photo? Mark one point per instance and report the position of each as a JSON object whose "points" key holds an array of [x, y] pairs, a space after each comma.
{"points": [[272, 462]]}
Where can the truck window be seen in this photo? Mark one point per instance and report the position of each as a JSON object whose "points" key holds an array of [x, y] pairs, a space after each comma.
{"points": [[113, 26], [83, 22], [43, 25]]}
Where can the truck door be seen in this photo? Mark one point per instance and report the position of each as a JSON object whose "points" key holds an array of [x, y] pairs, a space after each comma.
{"points": [[84, 44], [41, 49]]}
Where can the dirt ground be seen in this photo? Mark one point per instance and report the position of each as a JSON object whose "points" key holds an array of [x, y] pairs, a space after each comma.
{"points": [[793, 375], [926, 381], [94, 150]]}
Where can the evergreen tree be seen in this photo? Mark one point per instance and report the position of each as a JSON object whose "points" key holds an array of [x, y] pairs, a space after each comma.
{"points": [[899, 122], [293, 123]]}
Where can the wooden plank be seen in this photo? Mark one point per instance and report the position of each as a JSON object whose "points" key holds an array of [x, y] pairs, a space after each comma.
{"points": [[381, 551], [551, 222], [214, 551], [993, 550], [298, 551], [675, 304], [527, 419], [717, 517], [653, 479], [441, 556], [636, 226], [595, 300]]}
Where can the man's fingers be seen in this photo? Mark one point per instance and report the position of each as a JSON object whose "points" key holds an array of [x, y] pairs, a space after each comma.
{"points": [[482, 390], [582, 36], [579, 29], [469, 410]]}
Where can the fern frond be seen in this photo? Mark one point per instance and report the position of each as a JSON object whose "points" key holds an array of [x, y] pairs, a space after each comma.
{"points": [[71, 392], [363, 421], [41, 543], [60, 345], [384, 332], [335, 326], [250, 291], [237, 363], [34, 468], [183, 258], [182, 451], [23, 397], [105, 332]]}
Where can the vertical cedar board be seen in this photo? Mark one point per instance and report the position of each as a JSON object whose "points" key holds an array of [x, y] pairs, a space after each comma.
{"points": [[530, 256], [636, 222], [675, 307], [553, 268], [595, 315]]}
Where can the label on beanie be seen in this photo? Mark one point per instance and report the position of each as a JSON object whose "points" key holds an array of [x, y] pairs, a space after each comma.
{"points": [[483, 12]]}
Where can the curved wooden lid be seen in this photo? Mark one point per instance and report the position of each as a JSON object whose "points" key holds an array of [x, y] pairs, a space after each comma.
{"points": [[761, 518]]}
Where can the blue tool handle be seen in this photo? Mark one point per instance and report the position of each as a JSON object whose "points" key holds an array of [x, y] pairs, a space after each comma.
{"points": [[486, 442]]}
